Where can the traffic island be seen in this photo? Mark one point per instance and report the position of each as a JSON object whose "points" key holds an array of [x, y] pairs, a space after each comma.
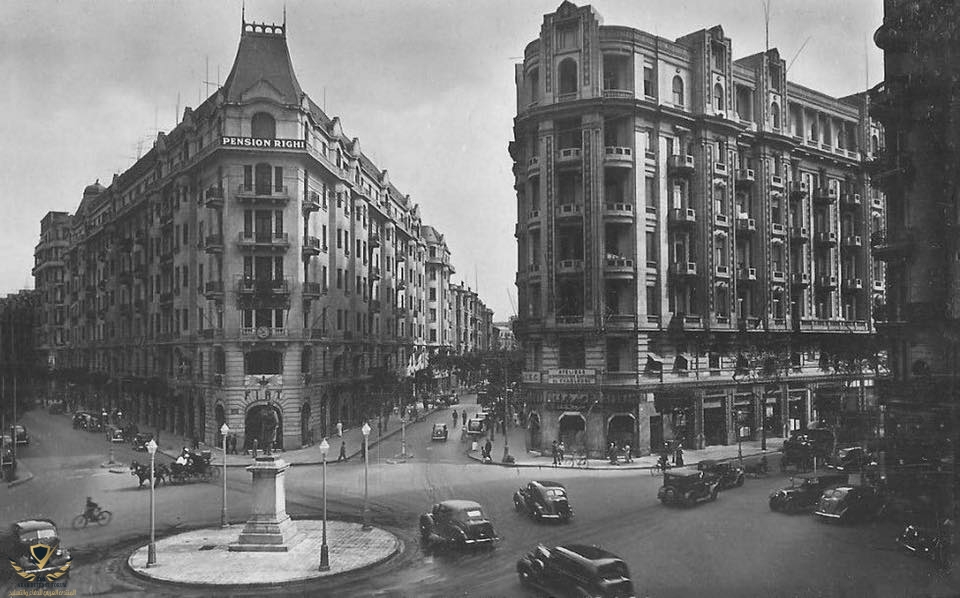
{"points": [[203, 557]]}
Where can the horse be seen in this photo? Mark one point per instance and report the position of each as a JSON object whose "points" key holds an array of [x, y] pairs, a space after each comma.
{"points": [[142, 471]]}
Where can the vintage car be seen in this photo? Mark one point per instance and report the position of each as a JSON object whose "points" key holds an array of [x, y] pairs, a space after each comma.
{"points": [[849, 504], [805, 445], [475, 426], [687, 486], [805, 491], [439, 432], [115, 434], [448, 398], [854, 458], [20, 433], [34, 547], [457, 522], [730, 474], [140, 441], [544, 500], [576, 570]]}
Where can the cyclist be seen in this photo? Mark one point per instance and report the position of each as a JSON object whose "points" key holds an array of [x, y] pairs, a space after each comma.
{"points": [[91, 510]]}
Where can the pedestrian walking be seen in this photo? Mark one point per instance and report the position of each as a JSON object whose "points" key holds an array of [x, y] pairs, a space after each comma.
{"points": [[627, 453], [678, 459], [339, 429], [343, 451], [555, 450], [464, 416], [455, 418], [488, 450]]}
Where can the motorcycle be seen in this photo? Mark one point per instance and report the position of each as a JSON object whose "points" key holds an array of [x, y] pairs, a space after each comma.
{"points": [[931, 543]]}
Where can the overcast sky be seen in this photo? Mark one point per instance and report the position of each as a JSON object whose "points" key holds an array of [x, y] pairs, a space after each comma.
{"points": [[427, 86]]}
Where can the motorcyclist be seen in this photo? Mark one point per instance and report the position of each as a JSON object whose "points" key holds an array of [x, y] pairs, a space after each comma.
{"points": [[91, 509]]}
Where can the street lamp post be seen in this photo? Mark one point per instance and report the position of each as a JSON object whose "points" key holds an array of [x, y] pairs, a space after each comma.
{"points": [[224, 430], [324, 552], [366, 467], [403, 436], [152, 547], [739, 437]]}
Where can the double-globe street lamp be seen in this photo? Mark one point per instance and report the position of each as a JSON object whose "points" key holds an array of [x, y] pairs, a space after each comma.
{"points": [[739, 415], [152, 547], [366, 467], [324, 553], [224, 430]]}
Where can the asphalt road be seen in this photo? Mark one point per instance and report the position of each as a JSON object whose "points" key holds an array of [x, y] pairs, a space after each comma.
{"points": [[733, 547]]}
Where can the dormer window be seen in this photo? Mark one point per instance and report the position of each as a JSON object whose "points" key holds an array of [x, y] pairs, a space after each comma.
{"points": [[263, 126]]}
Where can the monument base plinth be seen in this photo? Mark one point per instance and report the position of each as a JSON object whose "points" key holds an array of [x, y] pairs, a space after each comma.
{"points": [[267, 536], [269, 528]]}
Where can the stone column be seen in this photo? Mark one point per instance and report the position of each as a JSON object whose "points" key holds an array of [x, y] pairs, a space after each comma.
{"points": [[269, 528]]}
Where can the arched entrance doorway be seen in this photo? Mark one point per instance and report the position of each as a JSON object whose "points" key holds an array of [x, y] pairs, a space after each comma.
{"points": [[621, 429], [306, 437], [534, 426], [257, 423], [220, 418], [572, 429]]}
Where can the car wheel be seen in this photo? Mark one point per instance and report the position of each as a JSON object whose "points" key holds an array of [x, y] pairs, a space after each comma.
{"points": [[740, 481], [790, 508], [526, 575], [713, 494]]}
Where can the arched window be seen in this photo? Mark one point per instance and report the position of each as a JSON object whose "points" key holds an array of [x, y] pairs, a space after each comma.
{"points": [[568, 76], [875, 144], [263, 174], [263, 362], [718, 96], [775, 115], [678, 91], [534, 81], [263, 126]]}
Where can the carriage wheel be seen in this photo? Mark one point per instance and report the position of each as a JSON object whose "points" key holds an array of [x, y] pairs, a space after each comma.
{"points": [[215, 473]]}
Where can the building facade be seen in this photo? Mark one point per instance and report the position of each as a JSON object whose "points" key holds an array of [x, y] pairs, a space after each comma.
{"points": [[254, 263], [917, 104], [693, 239]]}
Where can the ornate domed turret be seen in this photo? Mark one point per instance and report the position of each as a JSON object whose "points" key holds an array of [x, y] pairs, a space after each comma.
{"points": [[94, 189]]}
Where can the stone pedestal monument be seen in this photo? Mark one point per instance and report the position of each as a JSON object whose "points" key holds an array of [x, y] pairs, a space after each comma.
{"points": [[269, 528]]}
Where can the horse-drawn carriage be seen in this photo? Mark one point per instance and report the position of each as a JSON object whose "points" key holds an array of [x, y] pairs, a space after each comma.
{"points": [[142, 471], [195, 467]]}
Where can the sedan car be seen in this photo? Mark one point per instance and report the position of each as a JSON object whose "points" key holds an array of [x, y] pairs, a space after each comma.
{"points": [[849, 504], [439, 432], [729, 474], [458, 522], [544, 500], [20, 433], [576, 570], [476, 427], [687, 486], [34, 547], [805, 491]]}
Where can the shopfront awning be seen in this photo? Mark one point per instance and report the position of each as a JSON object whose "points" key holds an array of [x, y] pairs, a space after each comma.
{"points": [[571, 414]]}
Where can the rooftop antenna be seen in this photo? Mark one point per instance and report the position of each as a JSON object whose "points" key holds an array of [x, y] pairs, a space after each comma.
{"points": [[206, 77], [176, 115], [513, 303], [243, 13], [766, 25], [795, 56]]}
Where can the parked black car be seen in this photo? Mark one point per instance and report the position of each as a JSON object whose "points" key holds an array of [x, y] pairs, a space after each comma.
{"points": [[576, 570], [805, 491], [687, 486], [20, 434], [458, 522], [728, 473], [439, 432], [542, 499], [849, 504], [33, 545], [804, 446], [854, 458]]}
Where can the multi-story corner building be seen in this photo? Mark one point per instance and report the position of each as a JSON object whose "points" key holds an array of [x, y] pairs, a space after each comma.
{"points": [[21, 357], [683, 219], [253, 262], [472, 320], [917, 169], [50, 276], [503, 339]]}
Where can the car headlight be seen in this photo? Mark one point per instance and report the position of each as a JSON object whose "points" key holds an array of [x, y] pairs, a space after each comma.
{"points": [[59, 552]]}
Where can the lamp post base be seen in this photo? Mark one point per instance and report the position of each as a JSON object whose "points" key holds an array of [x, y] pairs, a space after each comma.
{"points": [[324, 557], [151, 554]]}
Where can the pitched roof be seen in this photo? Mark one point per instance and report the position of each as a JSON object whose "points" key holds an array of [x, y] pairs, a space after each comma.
{"points": [[263, 56]]}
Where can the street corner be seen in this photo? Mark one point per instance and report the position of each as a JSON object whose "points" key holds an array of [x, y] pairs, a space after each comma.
{"points": [[350, 549]]}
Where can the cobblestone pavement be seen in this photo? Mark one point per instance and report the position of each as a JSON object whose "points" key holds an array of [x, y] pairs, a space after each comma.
{"points": [[201, 557]]}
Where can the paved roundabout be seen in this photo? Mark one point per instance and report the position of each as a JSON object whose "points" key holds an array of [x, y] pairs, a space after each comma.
{"points": [[201, 557]]}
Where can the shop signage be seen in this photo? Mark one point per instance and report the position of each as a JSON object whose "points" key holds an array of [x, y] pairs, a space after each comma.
{"points": [[563, 376], [567, 401], [531, 377], [286, 144]]}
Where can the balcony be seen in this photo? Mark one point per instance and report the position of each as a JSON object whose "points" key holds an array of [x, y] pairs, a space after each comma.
{"points": [[853, 242], [746, 224], [213, 198], [852, 285], [745, 177], [878, 286], [682, 216], [621, 212], [778, 276], [799, 234], [261, 332], [683, 269], [720, 169], [827, 283], [400, 257], [213, 244], [533, 166], [260, 240], [746, 274], [680, 165], [213, 289], [568, 156], [722, 271], [312, 204], [876, 203], [570, 210], [311, 247], [800, 280], [778, 229], [618, 267], [264, 286], [374, 240], [249, 194], [401, 285], [776, 182], [824, 196], [374, 272], [618, 156], [851, 200], [888, 246], [798, 190], [312, 290], [572, 266], [827, 239]]}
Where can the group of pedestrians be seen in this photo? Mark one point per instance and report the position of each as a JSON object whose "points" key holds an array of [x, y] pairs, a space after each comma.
{"points": [[557, 449]]}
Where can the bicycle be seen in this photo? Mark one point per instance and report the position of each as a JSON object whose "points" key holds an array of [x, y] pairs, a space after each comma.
{"points": [[100, 516]]}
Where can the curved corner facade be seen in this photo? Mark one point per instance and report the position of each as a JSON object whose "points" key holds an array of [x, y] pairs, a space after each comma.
{"points": [[695, 240]]}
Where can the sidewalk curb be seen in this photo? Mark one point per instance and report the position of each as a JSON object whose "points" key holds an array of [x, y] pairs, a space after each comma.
{"points": [[20, 480], [472, 455]]}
